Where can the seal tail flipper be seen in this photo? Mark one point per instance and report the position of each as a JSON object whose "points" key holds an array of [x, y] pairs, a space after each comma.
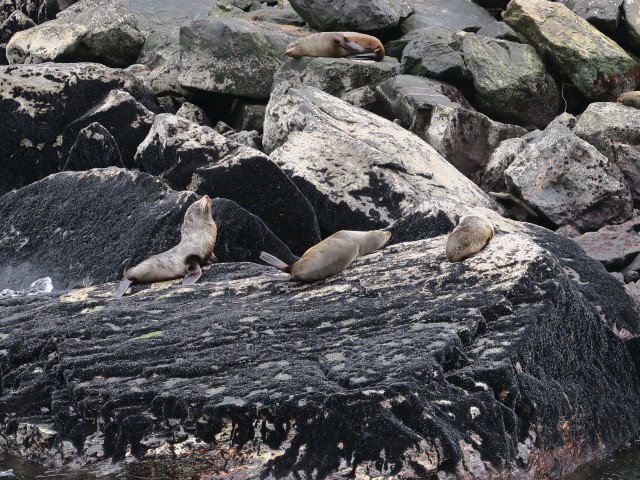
{"points": [[364, 56], [276, 276], [121, 288], [273, 261], [194, 272], [213, 259]]}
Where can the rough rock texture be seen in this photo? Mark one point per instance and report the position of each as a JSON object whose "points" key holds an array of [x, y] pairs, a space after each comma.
{"points": [[232, 56], [405, 364], [614, 129], [435, 53], [602, 14], [613, 245], [336, 76], [569, 181], [461, 135], [62, 227], [188, 156], [16, 22], [510, 80], [92, 30], [94, 147], [57, 228], [493, 176], [352, 15], [284, 16], [194, 114], [594, 63], [358, 170], [37, 102], [631, 17], [452, 15], [242, 236], [128, 120]]}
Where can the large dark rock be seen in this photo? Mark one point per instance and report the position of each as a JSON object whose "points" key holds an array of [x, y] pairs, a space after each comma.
{"points": [[83, 228], [191, 157], [352, 15], [232, 56], [242, 236], [58, 228], [126, 119], [37, 102], [95, 147], [453, 15], [493, 367], [510, 81]]}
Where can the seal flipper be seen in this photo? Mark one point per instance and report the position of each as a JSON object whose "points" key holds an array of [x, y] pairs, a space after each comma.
{"points": [[121, 288], [364, 56], [352, 47], [275, 262], [194, 272]]}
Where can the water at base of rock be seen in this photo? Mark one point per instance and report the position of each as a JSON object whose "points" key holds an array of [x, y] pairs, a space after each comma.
{"points": [[624, 465], [42, 285]]}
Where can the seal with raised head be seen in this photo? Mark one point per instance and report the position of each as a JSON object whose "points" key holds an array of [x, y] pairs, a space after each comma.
{"points": [[630, 99], [470, 236], [332, 255], [337, 44], [197, 240]]}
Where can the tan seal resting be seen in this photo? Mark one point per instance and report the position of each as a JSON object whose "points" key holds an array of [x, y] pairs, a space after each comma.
{"points": [[631, 99], [197, 239], [337, 44], [332, 255], [470, 236]]}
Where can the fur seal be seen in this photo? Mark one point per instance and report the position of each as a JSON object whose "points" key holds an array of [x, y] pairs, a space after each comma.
{"points": [[470, 236], [631, 99], [337, 44], [332, 255], [197, 240]]}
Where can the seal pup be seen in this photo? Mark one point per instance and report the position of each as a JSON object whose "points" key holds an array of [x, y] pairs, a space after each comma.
{"points": [[630, 99], [337, 44], [332, 255], [197, 240], [470, 236]]}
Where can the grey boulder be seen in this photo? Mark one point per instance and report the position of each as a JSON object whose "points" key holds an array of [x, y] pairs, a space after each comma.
{"points": [[359, 171]]}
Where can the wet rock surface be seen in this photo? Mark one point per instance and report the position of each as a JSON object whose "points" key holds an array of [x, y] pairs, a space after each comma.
{"points": [[232, 360], [518, 362]]}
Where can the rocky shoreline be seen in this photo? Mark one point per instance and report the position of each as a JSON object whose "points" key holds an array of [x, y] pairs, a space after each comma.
{"points": [[519, 362]]}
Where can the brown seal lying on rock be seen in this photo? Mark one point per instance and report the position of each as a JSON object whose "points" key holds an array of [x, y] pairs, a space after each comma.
{"points": [[337, 44], [470, 236], [197, 240], [332, 255], [630, 99]]}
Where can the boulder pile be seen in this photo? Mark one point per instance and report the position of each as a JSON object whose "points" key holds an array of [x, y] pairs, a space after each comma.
{"points": [[517, 362]]}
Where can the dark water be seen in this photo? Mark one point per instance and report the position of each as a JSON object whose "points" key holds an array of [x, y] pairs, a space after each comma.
{"points": [[14, 469], [622, 466]]}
